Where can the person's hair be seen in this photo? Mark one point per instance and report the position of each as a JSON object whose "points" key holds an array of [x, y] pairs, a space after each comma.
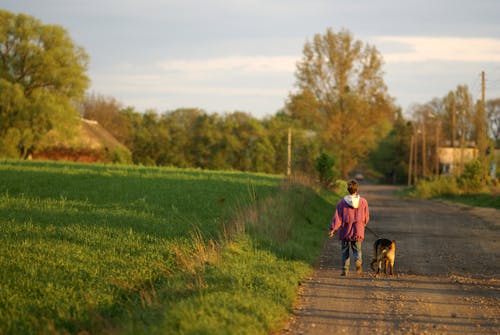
{"points": [[352, 186]]}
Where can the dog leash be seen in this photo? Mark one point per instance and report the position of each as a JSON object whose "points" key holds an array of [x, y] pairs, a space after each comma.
{"points": [[371, 231]]}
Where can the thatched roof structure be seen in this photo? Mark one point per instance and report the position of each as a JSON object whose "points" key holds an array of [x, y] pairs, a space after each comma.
{"points": [[90, 142]]}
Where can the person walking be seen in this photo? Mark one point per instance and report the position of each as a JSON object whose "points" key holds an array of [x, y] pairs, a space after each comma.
{"points": [[350, 218]]}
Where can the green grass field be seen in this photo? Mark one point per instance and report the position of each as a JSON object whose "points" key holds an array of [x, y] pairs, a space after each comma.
{"points": [[131, 250]]}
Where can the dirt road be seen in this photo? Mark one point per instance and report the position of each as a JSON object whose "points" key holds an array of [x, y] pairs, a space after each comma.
{"points": [[447, 274]]}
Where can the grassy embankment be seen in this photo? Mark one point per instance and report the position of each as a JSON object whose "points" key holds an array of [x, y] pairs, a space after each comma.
{"points": [[487, 200], [131, 250], [470, 187], [447, 188]]}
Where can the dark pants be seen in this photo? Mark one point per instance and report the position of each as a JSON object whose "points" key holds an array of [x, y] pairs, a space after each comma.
{"points": [[356, 252]]}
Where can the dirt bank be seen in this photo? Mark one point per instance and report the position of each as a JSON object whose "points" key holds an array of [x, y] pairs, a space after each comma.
{"points": [[447, 274]]}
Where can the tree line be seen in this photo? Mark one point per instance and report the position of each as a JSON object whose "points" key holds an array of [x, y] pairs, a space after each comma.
{"points": [[340, 108], [459, 122], [452, 121], [191, 137], [342, 117]]}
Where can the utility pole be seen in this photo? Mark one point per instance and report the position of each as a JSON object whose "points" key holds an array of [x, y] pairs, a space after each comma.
{"points": [[289, 163], [483, 100], [410, 160], [415, 158], [453, 122], [424, 148], [438, 131]]}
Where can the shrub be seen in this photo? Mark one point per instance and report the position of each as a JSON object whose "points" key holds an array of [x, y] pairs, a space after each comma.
{"points": [[441, 185], [340, 187], [9, 144], [120, 156], [470, 181], [325, 167]]}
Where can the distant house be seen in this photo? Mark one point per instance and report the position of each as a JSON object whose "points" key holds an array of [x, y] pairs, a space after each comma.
{"points": [[450, 158], [90, 143]]}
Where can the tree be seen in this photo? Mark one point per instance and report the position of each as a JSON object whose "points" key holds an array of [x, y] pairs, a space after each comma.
{"points": [[463, 100], [481, 136], [340, 86], [428, 119], [181, 123], [493, 117], [252, 150], [109, 113], [464, 106], [458, 123], [392, 155], [305, 146], [450, 118], [205, 139], [42, 74], [304, 108], [325, 166]]}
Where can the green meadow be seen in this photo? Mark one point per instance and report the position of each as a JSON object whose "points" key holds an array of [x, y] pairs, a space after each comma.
{"points": [[96, 249]]}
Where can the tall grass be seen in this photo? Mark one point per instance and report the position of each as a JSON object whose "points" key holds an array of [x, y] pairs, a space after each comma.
{"points": [[117, 249], [468, 188], [249, 286], [436, 187]]}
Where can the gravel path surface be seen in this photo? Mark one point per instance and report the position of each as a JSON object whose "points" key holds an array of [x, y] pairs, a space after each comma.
{"points": [[447, 274]]}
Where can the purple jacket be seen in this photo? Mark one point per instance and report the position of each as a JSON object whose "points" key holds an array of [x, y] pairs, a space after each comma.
{"points": [[350, 221]]}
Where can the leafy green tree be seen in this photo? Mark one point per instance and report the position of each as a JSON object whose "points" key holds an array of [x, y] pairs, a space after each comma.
{"points": [[42, 74], [152, 140], [9, 144], [181, 124], [325, 165], [226, 153], [305, 143], [463, 102], [470, 181], [131, 118], [205, 139], [277, 133], [464, 107], [481, 136], [450, 118], [254, 151], [305, 148], [303, 107], [159, 140], [493, 117], [342, 92], [392, 154]]}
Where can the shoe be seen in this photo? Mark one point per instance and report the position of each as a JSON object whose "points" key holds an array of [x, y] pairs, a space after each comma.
{"points": [[359, 270], [343, 274]]}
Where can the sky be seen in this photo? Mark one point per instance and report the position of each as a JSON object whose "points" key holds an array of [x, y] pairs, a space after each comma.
{"points": [[240, 55]]}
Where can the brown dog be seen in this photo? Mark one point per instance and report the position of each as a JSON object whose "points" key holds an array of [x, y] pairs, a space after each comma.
{"points": [[384, 251]]}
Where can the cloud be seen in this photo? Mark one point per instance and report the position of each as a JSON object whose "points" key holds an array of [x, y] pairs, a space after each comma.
{"points": [[166, 85], [241, 64], [244, 76], [420, 49], [217, 84]]}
